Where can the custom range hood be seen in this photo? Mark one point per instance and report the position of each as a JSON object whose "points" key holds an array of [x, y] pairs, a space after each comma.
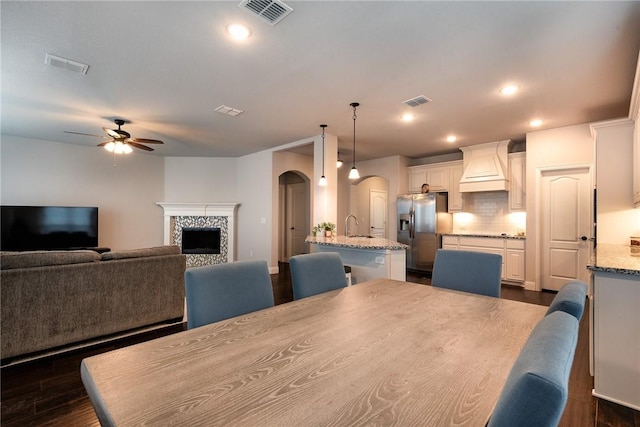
{"points": [[486, 167]]}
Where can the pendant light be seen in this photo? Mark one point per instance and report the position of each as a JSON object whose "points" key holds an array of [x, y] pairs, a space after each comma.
{"points": [[323, 180], [339, 162], [353, 174]]}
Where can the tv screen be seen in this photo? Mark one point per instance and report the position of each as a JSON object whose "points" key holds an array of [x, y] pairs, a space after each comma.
{"points": [[29, 228]]}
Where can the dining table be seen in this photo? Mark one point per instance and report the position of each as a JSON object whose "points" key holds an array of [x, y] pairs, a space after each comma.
{"points": [[382, 352]]}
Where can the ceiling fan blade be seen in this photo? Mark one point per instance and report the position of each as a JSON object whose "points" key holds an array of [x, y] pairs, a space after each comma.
{"points": [[102, 144], [147, 141], [112, 133], [117, 133], [140, 146], [85, 134]]}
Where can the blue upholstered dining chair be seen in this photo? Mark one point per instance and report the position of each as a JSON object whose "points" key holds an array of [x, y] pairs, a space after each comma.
{"points": [[475, 272], [316, 273], [536, 391], [570, 299], [218, 292]]}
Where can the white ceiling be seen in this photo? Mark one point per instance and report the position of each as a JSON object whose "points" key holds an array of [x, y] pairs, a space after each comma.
{"points": [[165, 66]]}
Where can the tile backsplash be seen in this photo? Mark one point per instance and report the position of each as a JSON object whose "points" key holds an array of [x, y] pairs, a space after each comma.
{"points": [[488, 212]]}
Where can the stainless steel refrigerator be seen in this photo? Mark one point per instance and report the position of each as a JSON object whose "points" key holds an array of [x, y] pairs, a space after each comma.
{"points": [[423, 218]]}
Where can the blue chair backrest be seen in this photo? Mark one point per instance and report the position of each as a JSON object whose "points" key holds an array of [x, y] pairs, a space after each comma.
{"points": [[570, 299], [316, 273], [537, 388], [467, 271], [221, 291]]}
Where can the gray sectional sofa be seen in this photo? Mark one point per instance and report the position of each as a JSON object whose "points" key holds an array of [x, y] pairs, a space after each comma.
{"points": [[52, 299]]}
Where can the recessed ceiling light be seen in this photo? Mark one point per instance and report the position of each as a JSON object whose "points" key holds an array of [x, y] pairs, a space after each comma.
{"points": [[407, 117], [509, 89], [238, 31], [451, 138], [535, 123]]}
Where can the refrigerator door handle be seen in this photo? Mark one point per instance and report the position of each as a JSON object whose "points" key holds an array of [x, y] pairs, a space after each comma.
{"points": [[412, 231]]}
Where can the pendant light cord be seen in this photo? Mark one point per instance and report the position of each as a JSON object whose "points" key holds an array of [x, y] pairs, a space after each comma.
{"points": [[354, 105], [323, 151]]}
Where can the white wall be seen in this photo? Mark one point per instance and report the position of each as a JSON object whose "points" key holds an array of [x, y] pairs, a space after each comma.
{"points": [[571, 145], [617, 217], [255, 180], [35, 172], [200, 179]]}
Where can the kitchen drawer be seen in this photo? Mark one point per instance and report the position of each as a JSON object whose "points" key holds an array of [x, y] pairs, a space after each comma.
{"points": [[515, 244], [450, 241], [482, 242]]}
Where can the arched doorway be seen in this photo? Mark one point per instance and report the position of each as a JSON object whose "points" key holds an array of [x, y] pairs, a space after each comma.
{"points": [[295, 214]]}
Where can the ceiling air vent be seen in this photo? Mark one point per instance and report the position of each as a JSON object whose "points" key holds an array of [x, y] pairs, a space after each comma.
{"points": [[269, 11], [67, 64], [418, 100], [229, 111]]}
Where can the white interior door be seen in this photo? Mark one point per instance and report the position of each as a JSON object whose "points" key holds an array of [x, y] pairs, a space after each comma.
{"points": [[296, 219], [566, 226], [378, 213]]}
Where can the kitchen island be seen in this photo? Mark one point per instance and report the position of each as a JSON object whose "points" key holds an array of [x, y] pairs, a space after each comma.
{"points": [[616, 324], [369, 257]]}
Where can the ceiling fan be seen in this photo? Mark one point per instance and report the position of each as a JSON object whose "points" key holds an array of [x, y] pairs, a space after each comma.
{"points": [[120, 140]]}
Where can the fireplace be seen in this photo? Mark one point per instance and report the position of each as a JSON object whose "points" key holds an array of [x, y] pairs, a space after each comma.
{"points": [[204, 231], [200, 240]]}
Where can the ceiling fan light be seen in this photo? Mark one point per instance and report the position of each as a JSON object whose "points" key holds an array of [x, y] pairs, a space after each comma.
{"points": [[126, 149], [110, 147]]}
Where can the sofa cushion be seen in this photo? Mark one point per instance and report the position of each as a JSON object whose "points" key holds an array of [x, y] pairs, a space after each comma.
{"points": [[143, 252], [13, 260]]}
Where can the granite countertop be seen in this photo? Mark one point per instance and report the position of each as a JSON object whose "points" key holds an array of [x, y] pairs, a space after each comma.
{"points": [[615, 259], [357, 242], [490, 235]]}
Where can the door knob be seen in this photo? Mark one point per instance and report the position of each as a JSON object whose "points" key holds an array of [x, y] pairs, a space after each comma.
{"points": [[585, 238], [293, 228]]}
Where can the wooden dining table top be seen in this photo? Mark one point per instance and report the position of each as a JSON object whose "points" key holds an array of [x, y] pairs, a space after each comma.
{"points": [[382, 352]]}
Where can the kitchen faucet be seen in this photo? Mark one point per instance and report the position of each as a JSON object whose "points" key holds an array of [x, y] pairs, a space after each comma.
{"points": [[346, 223]]}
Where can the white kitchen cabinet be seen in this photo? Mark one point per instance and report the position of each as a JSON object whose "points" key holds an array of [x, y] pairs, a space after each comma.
{"points": [[417, 177], [450, 242], [514, 260], [455, 196], [511, 251], [616, 338], [517, 188], [437, 176], [636, 162]]}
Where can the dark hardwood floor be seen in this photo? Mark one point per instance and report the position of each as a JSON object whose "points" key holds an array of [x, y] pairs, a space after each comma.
{"points": [[49, 392]]}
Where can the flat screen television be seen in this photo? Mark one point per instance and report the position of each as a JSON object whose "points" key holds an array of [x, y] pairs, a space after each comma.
{"points": [[30, 228]]}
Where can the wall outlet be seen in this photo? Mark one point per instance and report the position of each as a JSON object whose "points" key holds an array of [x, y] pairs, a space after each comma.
{"points": [[379, 260]]}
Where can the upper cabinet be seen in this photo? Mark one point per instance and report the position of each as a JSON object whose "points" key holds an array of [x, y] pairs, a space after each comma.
{"points": [[443, 176], [436, 175], [517, 188], [636, 163], [455, 196], [634, 115]]}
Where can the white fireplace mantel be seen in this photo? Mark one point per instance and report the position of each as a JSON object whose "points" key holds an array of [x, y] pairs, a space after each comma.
{"points": [[201, 209]]}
